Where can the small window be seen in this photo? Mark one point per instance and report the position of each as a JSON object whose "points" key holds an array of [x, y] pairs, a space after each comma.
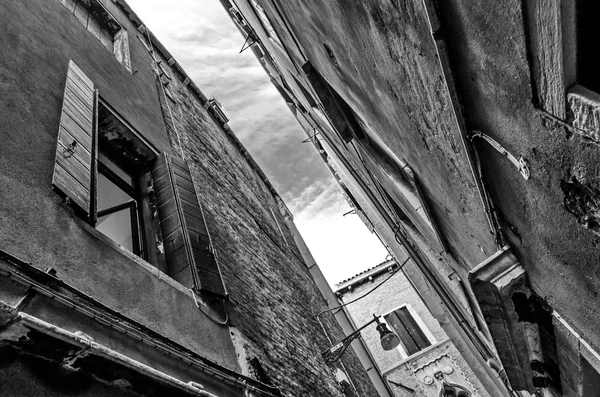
{"points": [[100, 23], [411, 334], [266, 23], [588, 33]]}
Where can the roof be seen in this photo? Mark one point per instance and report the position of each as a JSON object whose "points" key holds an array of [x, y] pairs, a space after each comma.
{"points": [[364, 276]]}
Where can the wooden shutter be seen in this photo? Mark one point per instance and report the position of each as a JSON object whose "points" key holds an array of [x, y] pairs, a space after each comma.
{"points": [[413, 328], [412, 337], [73, 169], [188, 250]]}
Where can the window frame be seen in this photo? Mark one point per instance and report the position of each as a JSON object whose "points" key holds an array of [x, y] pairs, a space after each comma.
{"points": [[176, 231], [420, 323], [135, 204], [266, 23]]}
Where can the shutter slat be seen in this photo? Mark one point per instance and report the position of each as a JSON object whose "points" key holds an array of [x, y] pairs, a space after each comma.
{"points": [[186, 238], [78, 103], [73, 171], [75, 120], [167, 208], [413, 328], [79, 88], [169, 224], [79, 173], [76, 133], [77, 72], [174, 241], [177, 260], [407, 341], [83, 156]]}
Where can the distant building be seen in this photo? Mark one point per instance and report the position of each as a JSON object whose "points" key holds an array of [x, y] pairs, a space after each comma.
{"points": [[466, 134], [142, 250], [424, 350]]}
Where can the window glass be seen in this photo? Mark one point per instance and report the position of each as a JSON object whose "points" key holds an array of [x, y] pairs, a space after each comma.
{"points": [[109, 194], [116, 169], [117, 226]]}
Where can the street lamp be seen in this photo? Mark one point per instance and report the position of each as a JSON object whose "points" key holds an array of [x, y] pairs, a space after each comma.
{"points": [[389, 340]]}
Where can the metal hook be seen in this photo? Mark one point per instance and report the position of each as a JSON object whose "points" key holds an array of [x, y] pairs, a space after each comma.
{"points": [[70, 150], [521, 163]]}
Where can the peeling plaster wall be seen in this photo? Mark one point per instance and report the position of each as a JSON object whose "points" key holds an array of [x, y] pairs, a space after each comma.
{"points": [[549, 219]]}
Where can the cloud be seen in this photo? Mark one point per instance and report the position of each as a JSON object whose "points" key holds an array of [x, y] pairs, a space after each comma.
{"points": [[204, 40]]}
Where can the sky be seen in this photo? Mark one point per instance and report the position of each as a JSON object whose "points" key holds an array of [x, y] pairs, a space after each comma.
{"points": [[204, 40]]}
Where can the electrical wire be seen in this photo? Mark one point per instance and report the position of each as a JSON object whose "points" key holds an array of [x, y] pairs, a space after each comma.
{"points": [[370, 291]]}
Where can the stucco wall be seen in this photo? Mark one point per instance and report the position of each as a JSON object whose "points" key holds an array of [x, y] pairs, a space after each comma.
{"points": [[495, 85]]}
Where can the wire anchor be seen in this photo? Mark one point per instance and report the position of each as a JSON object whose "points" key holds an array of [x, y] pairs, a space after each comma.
{"points": [[521, 163]]}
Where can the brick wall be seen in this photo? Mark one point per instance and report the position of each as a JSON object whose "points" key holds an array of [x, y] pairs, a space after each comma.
{"points": [[273, 300]]}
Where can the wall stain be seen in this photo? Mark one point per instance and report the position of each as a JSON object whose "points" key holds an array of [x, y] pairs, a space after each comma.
{"points": [[583, 202]]}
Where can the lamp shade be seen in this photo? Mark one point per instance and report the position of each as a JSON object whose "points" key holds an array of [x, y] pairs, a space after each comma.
{"points": [[389, 339]]}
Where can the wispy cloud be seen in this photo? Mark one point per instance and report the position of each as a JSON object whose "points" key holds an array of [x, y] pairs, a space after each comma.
{"points": [[206, 43]]}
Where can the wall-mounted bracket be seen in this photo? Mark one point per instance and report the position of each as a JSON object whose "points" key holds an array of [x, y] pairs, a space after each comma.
{"points": [[521, 163]]}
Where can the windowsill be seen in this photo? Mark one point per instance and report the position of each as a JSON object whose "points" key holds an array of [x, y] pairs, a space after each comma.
{"points": [[583, 106], [145, 265]]}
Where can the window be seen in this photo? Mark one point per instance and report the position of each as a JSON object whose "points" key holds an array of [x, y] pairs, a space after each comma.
{"points": [[406, 325], [455, 391], [143, 201], [266, 23], [118, 201], [100, 23]]}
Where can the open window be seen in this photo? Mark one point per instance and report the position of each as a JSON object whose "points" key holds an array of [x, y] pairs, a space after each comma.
{"points": [[266, 22], [104, 26], [143, 201], [413, 334]]}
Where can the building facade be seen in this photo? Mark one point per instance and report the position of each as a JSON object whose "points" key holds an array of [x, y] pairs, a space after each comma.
{"points": [[384, 290], [465, 134], [142, 250]]}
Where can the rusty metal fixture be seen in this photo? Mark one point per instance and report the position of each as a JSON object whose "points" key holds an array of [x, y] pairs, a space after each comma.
{"points": [[521, 163]]}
